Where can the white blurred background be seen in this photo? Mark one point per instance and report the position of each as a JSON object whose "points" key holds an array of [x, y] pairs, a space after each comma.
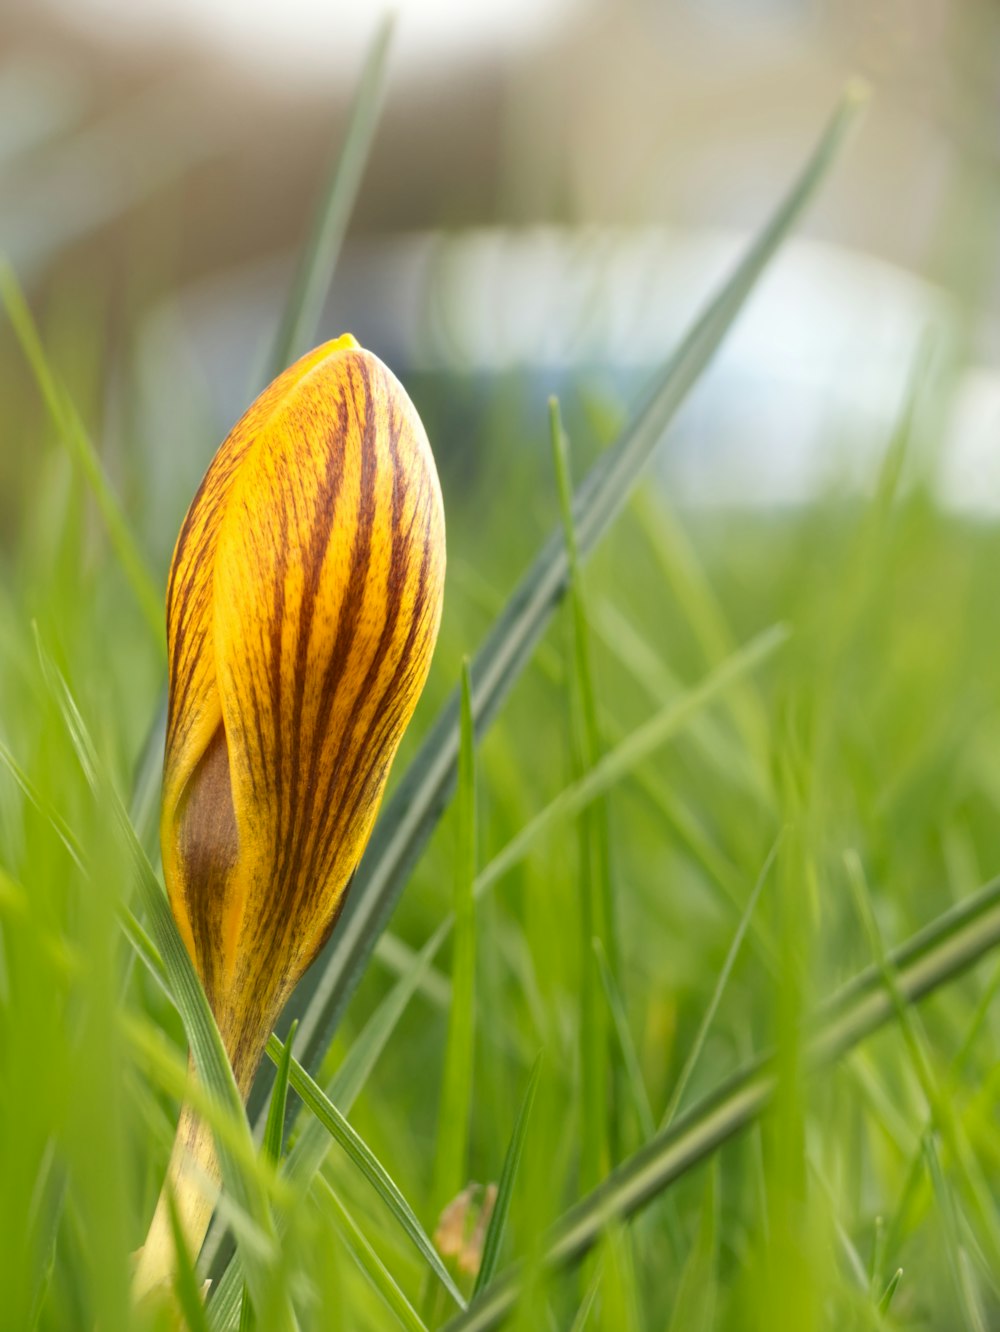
{"points": [[554, 187]]}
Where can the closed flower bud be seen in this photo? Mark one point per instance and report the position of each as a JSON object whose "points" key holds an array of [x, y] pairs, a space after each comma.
{"points": [[302, 611]]}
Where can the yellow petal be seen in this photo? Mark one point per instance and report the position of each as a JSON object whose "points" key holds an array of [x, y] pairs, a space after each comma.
{"points": [[304, 603]]}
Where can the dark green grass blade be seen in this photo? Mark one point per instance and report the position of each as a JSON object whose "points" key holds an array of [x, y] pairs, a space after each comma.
{"points": [[364, 1158], [411, 815], [275, 1132], [456, 1085], [319, 257], [505, 1189], [596, 902], [945, 949]]}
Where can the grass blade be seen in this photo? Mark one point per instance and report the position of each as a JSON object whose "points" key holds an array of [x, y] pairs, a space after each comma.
{"points": [[700, 609], [966, 1294], [456, 1089], [505, 1189], [931, 958], [135, 933], [639, 745], [80, 448], [708, 1017], [368, 1045], [365, 1159], [582, 1317], [319, 257], [889, 1292], [616, 1006], [597, 914], [694, 1307], [378, 1275], [274, 1135], [275, 1131], [186, 1280], [411, 815], [312, 1140]]}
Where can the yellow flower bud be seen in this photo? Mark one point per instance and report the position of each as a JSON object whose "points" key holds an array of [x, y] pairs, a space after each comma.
{"points": [[302, 611]]}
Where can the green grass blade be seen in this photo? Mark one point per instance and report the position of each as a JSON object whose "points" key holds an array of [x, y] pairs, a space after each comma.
{"points": [[248, 1318], [134, 931], [377, 1274], [966, 1294], [275, 1131], [630, 1059], [320, 1105], [721, 748], [694, 1307], [701, 611], [694, 1054], [411, 815], [945, 949], [398, 957], [274, 1135], [597, 913], [505, 1189], [164, 1064], [456, 1089], [144, 805], [634, 749], [889, 1292], [186, 1280], [368, 1045], [80, 448], [582, 1316], [185, 988], [319, 257]]}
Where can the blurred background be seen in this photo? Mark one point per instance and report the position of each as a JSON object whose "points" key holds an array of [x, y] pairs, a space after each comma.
{"points": [[554, 187]]}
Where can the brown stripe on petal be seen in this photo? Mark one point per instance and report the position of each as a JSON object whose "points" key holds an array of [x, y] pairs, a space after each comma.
{"points": [[348, 615], [398, 563], [276, 621], [385, 720], [324, 508]]}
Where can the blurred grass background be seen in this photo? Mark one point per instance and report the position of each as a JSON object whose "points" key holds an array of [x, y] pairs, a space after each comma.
{"points": [[833, 473]]}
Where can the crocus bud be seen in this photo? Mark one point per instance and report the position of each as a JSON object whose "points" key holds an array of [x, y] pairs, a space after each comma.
{"points": [[302, 611]]}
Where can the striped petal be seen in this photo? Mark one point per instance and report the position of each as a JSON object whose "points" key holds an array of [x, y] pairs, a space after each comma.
{"points": [[303, 607]]}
